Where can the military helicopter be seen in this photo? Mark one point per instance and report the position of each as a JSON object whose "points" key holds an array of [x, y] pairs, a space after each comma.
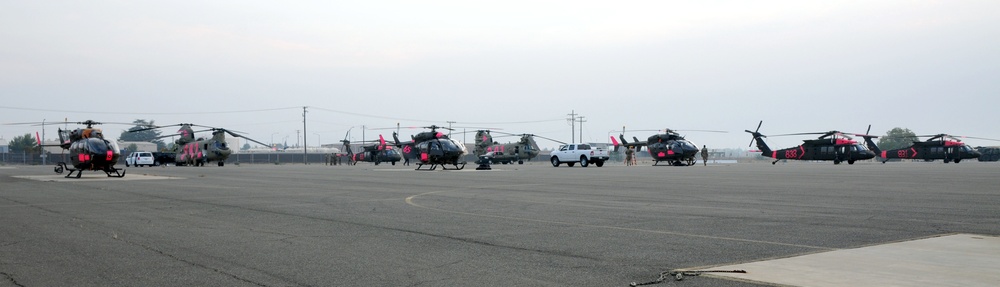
{"points": [[508, 153], [88, 150], [831, 145], [196, 152], [940, 146], [377, 153], [668, 146], [433, 148]]}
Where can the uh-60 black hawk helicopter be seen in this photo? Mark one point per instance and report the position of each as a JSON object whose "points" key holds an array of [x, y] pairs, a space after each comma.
{"points": [[940, 146], [832, 145], [196, 152], [377, 153], [88, 150], [524, 149], [433, 148], [668, 146]]}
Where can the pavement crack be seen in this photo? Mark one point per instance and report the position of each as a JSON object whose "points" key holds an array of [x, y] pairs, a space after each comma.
{"points": [[11, 279]]}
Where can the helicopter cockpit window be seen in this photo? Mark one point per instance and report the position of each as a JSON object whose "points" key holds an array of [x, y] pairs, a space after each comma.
{"points": [[91, 145], [966, 148], [859, 147]]}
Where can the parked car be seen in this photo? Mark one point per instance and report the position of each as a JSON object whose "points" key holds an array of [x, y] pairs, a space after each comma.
{"points": [[139, 158], [573, 153]]}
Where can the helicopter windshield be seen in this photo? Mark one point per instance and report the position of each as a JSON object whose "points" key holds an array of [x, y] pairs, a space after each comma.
{"points": [[90, 145], [859, 147]]}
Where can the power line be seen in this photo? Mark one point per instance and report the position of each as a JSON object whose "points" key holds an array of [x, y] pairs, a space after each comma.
{"points": [[145, 113]]}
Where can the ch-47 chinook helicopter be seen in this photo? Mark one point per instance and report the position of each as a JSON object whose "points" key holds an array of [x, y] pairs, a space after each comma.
{"points": [[508, 153], [196, 152], [88, 150], [376, 153], [668, 146], [940, 146], [433, 148], [832, 145]]}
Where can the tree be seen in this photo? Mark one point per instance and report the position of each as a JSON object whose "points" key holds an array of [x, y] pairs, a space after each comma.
{"points": [[151, 135], [897, 138], [25, 143]]}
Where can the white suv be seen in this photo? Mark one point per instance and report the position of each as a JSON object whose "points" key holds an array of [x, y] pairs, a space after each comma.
{"points": [[139, 158]]}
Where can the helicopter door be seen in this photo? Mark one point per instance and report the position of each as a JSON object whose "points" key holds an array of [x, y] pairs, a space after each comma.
{"points": [[949, 154], [842, 153]]}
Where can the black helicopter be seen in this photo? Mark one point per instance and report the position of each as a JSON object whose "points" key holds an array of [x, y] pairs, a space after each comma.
{"points": [[88, 150], [433, 148], [377, 153], [831, 145], [196, 152], [524, 149], [668, 146], [940, 146]]}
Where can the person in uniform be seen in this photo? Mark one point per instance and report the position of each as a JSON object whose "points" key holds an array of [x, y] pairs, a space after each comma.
{"points": [[629, 153], [704, 154]]}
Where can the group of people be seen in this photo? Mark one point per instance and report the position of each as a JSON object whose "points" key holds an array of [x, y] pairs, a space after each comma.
{"points": [[630, 157]]}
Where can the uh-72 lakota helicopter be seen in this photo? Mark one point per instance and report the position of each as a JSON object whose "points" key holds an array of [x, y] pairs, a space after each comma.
{"points": [[668, 146], [196, 152], [88, 150], [832, 145], [433, 148]]}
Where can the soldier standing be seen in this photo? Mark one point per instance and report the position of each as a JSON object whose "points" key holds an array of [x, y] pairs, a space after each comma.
{"points": [[704, 154], [629, 153]]}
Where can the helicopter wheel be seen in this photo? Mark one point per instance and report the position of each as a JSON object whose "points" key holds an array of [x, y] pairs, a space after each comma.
{"points": [[520, 162], [850, 161], [222, 163], [957, 160]]}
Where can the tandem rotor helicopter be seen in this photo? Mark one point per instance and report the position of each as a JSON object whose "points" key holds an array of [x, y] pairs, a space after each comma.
{"points": [[433, 148], [508, 153], [667, 146], [196, 152], [832, 145]]}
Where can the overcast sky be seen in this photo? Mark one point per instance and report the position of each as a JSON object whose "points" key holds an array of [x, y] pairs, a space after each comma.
{"points": [[522, 66]]}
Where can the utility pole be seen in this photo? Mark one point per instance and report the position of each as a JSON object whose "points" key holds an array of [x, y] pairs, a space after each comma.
{"points": [[581, 127], [449, 127], [305, 143], [42, 142], [572, 120]]}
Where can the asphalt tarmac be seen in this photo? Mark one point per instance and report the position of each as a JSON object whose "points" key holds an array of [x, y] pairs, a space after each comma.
{"points": [[516, 225]]}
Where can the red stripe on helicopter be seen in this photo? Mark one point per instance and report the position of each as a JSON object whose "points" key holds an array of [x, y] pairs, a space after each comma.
{"points": [[110, 155]]}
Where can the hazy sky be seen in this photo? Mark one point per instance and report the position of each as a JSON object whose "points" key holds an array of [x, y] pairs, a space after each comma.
{"points": [[800, 66]]}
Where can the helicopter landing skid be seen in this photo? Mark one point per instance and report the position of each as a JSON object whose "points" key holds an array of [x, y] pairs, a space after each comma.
{"points": [[434, 166], [61, 166], [115, 170]]}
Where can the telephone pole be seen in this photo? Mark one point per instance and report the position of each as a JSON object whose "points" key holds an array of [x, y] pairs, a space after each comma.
{"points": [[581, 120], [305, 143], [572, 120]]}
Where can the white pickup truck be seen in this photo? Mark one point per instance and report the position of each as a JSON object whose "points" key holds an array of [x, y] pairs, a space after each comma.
{"points": [[570, 154]]}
